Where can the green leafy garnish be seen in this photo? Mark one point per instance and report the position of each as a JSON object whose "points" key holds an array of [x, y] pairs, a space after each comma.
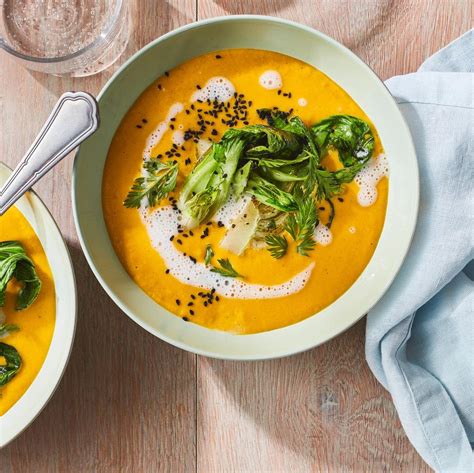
{"points": [[270, 194], [7, 329], [159, 181], [266, 141], [209, 254], [351, 136], [301, 224], [14, 263], [207, 187], [331, 183], [12, 365], [226, 269], [277, 245], [240, 179], [280, 165]]}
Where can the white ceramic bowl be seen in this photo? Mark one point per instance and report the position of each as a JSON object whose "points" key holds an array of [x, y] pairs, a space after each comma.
{"points": [[24, 411], [344, 68]]}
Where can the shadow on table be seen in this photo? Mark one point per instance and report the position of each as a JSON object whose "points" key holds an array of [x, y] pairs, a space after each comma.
{"points": [[123, 390], [322, 407]]}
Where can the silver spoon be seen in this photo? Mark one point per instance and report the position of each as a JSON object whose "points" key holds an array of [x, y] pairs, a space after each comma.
{"points": [[74, 118]]}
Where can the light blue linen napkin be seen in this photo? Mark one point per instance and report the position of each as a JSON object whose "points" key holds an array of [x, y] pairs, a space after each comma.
{"points": [[420, 336]]}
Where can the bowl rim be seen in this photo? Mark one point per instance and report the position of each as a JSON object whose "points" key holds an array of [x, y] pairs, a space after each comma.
{"points": [[65, 338], [244, 357]]}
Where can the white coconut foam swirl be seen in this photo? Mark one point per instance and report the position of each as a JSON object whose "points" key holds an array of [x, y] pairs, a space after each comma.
{"points": [[217, 88], [368, 178], [161, 224], [157, 134]]}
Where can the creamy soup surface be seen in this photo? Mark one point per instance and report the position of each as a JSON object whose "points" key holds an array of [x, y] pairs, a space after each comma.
{"points": [[36, 323], [274, 292]]}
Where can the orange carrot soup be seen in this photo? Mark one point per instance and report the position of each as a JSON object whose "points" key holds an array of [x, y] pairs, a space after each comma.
{"points": [[27, 307], [245, 191]]}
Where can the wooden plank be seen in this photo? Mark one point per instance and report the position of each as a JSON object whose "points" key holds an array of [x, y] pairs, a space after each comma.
{"points": [[393, 37], [127, 400], [321, 411]]}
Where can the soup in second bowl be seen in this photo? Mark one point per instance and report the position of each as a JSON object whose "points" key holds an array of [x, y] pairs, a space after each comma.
{"points": [[27, 307]]}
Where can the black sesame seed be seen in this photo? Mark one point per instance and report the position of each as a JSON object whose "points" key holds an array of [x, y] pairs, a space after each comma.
{"points": [[218, 56], [190, 304], [193, 296], [178, 302], [185, 319], [167, 74], [191, 312], [167, 271], [159, 87], [138, 126], [179, 241], [340, 199]]}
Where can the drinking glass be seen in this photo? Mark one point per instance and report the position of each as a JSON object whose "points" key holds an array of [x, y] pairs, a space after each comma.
{"points": [[64, 37]]}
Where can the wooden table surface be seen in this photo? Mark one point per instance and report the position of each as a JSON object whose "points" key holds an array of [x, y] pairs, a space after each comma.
{"points": [[131, 403]]}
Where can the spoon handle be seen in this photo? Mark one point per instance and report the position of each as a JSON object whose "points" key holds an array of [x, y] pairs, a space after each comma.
{"points": [[74, 118]]}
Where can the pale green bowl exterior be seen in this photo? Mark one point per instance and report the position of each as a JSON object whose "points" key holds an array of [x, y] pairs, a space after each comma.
{"points": [[338, 63]]}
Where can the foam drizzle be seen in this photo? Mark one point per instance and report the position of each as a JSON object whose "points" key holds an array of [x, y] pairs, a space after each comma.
{"points": [[368, 178], [322, 235], [270, 80], [157, 134], [161, 224], [216, 88], [178, 138]]}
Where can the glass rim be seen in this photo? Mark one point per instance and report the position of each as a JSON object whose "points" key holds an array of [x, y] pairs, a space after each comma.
{"points": [[54, 60]]}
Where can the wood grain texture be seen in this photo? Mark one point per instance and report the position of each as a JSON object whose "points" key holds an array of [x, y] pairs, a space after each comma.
{"points": [[320, 411]]}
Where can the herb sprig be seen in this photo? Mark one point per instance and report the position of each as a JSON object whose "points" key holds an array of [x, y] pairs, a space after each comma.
{"points": [[208, 256], [277, 245], [159, 181], [226, 269], [301, 224]]}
